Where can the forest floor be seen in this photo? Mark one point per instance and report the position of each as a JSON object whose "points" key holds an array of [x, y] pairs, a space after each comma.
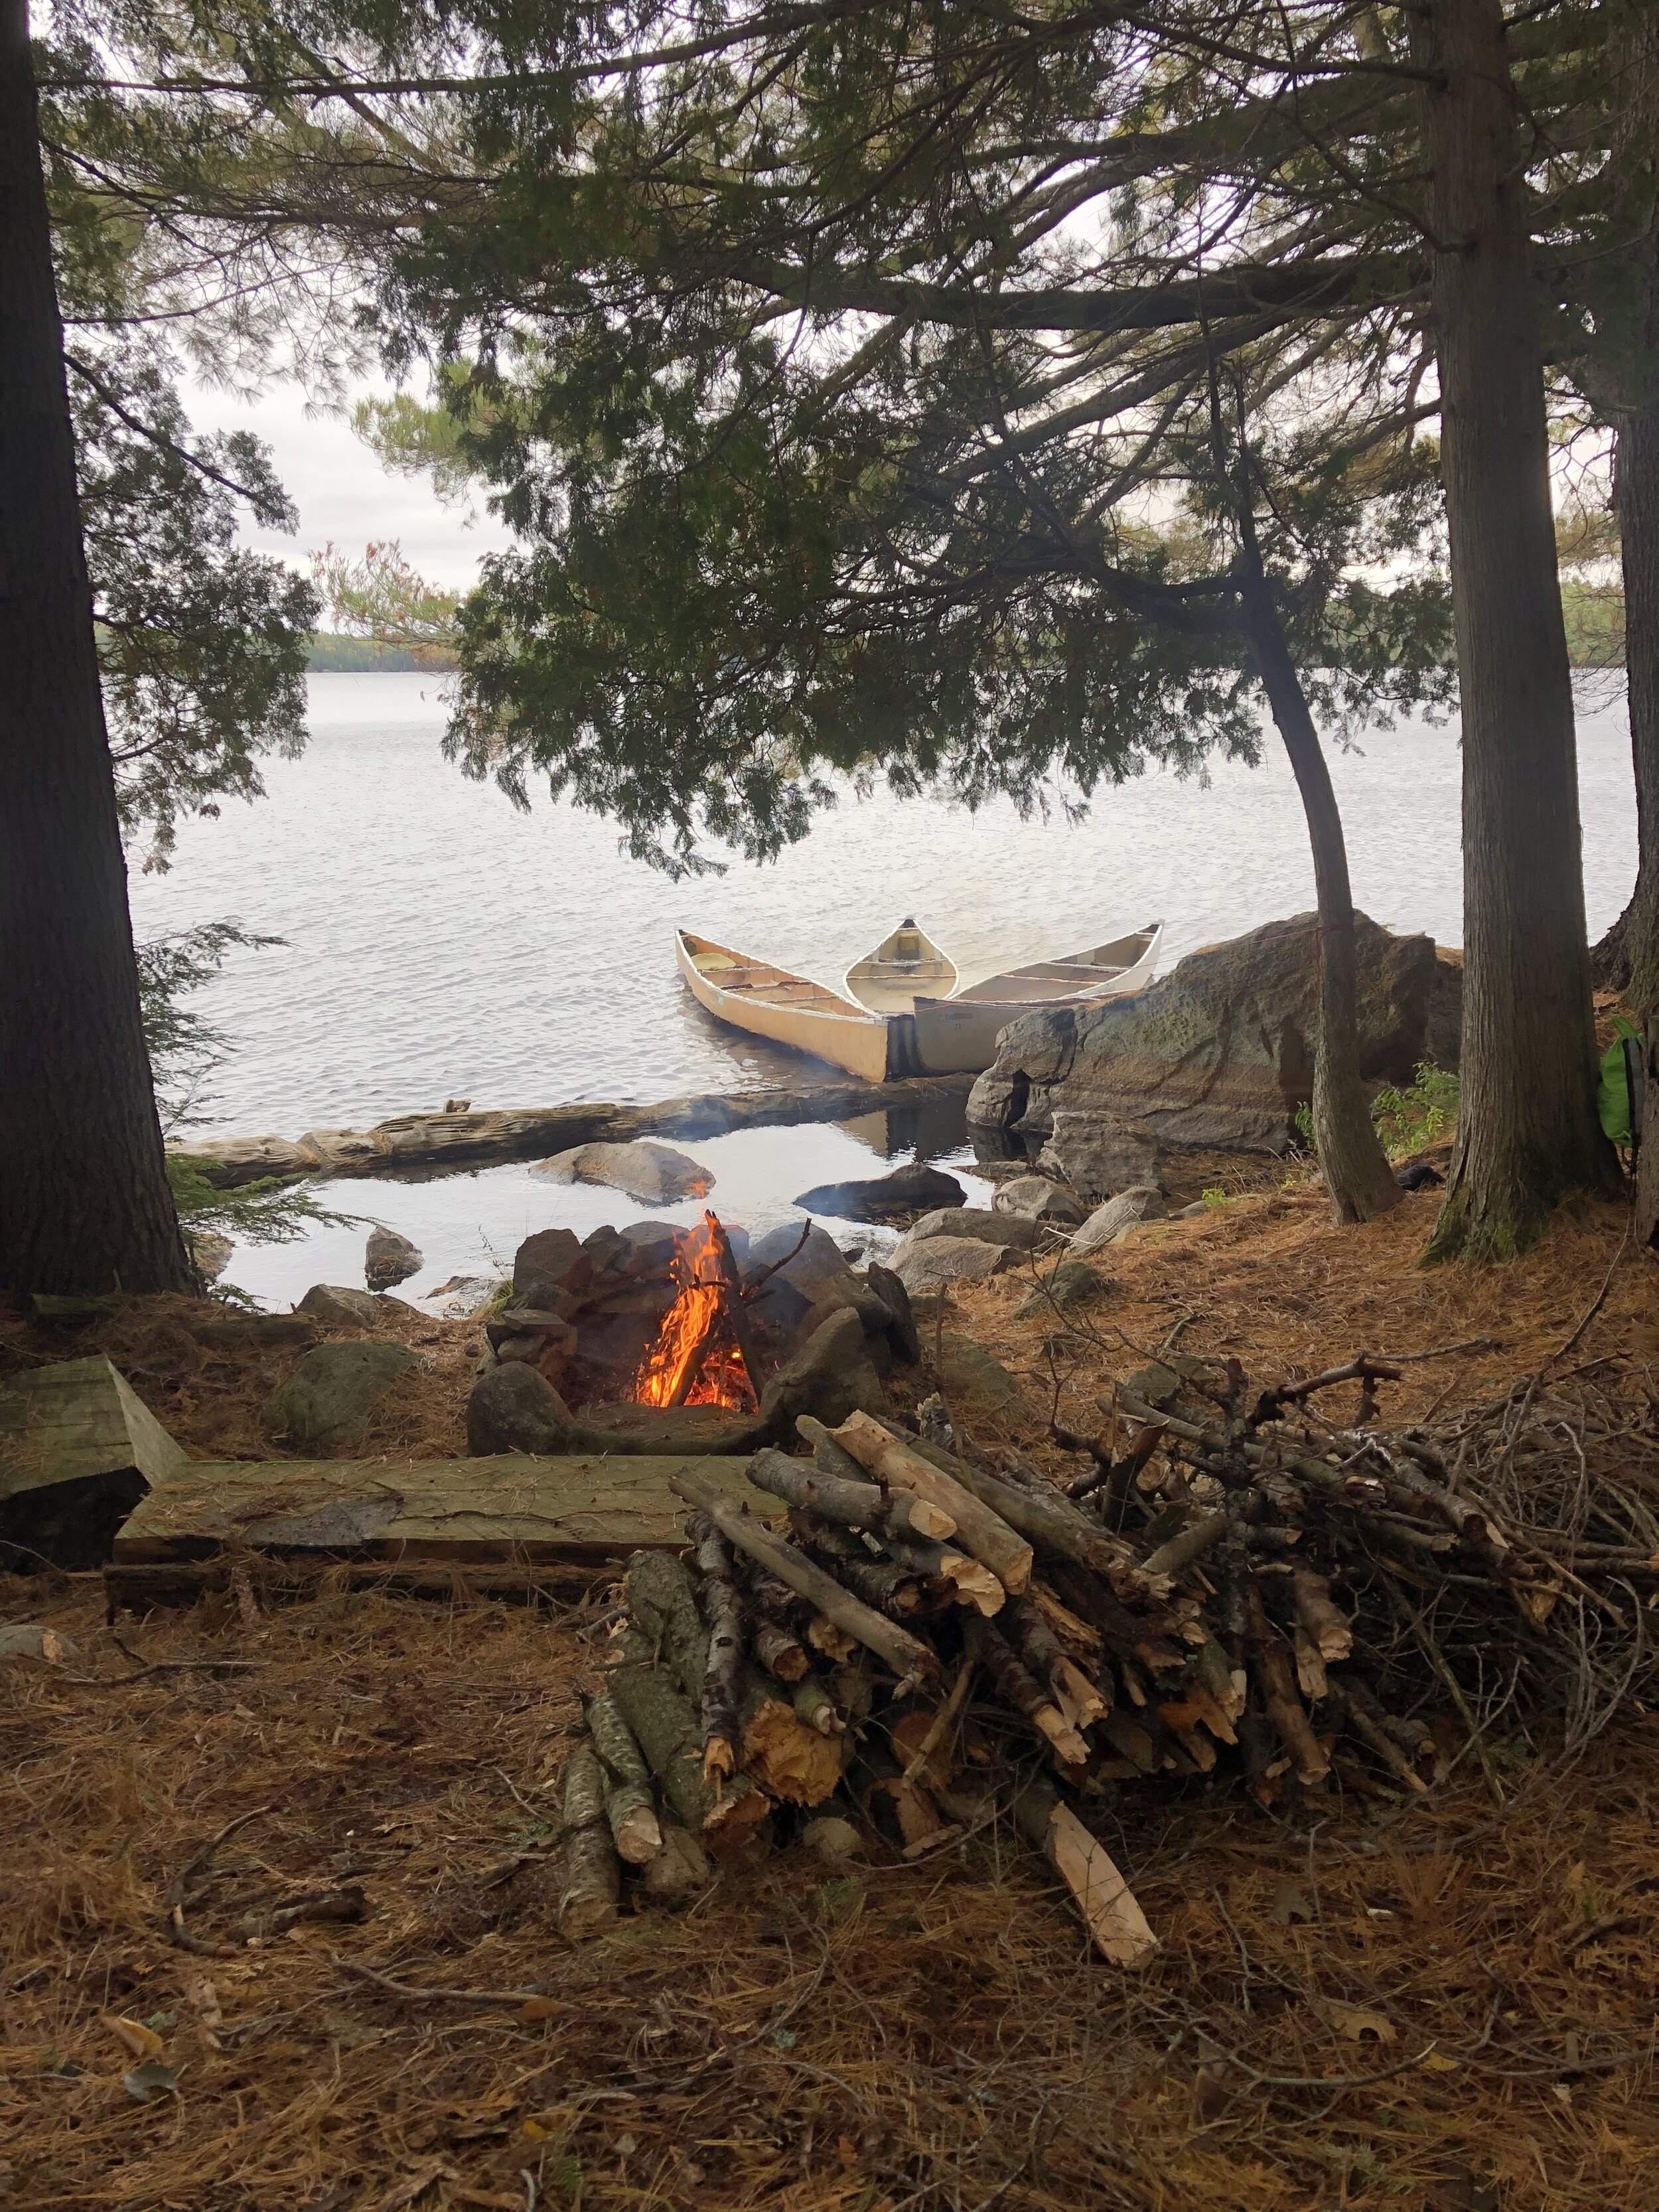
{"points": [[1448, 2003]]}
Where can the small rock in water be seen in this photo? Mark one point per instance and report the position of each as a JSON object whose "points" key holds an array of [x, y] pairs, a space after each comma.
{"points": [[911, 1189], [655, 1174], [457, 1105], [390, 1258], [465, 1295]]}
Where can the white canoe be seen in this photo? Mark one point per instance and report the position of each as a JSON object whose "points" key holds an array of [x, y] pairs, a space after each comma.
{"points": [[959, 1035], [908, 963], [770, 1002]]}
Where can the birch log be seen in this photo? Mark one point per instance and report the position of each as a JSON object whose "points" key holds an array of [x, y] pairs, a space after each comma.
{"points": [[979, 1531]]}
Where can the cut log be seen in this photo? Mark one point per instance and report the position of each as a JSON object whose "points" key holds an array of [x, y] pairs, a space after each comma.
{"points": [[1366, 1718], [630, 1803], [668, 1733], [593, 1878], [721, 1686], [1017, 1687], [662, 1601], [1186, 1546], [881, 1583], [1080, 1638], [815, 1705], [836, 1644], [780, 1650], [1326, 1624], [78, 1451], [680, 1869], [831, 1457], [902, 1651], [970, 1583], [850, 1504], [979, 1531], [1277, 1675], [1115, 1920], [1049, 1520], [787, 1756]]}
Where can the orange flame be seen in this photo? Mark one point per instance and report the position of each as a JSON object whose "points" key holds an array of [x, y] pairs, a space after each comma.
{"points": [[721, 1380]]}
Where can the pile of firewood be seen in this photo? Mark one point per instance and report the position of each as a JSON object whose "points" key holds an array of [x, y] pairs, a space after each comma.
{"points": [[1228, 1586]]}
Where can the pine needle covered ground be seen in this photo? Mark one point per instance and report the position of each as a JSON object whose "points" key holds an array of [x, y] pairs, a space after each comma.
{"points": [[1447, 2004]]}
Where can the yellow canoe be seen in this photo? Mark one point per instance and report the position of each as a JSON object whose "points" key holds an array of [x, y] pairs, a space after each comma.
{"points": [[958, 1036], [907, 962], [770, 1002]]}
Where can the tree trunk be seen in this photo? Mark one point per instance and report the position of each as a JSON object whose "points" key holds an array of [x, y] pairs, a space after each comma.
{"points": [[1527, 1131], [1635, 490], [84, 1200], [1358, 1178]]}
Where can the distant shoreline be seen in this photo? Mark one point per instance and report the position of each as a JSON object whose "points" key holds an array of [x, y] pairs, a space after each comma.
{"points": [[329, 653]]}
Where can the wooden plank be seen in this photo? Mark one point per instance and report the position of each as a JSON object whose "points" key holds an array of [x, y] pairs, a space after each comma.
{"points": [[467, 1512], [76, 1421]]}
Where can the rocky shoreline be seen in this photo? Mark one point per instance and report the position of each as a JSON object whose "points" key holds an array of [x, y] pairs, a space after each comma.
{"points": [[460, 1139]]}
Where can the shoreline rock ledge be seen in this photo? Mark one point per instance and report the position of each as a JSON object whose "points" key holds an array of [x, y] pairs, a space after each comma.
{"points": [[1217, 1054]]}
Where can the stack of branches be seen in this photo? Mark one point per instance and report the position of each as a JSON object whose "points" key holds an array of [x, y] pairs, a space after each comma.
{"points": [[1235, 1585]]}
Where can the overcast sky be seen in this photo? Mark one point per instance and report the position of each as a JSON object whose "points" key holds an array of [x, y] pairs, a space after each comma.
{"points": [[341, 491]]}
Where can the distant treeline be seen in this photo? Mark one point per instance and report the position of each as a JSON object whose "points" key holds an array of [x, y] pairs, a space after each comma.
{"points": [[338, 655]]}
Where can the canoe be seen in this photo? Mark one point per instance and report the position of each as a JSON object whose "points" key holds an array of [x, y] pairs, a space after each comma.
{"points": [[959, 1035], [770, 1002], [888, 980]]}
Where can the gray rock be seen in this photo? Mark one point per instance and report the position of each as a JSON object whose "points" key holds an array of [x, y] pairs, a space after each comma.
{"points": [[24, 1640], [938, 1261], [908, 1190], [254, 1332], [831, 1837], [1036, 1198], [817, 1274], [1195, 1212], [656, 1173], [902, 1331], [325, 1406], [1109, 1222], [466, 1295], [552, 1261], [1071, 1287], [1019, 1230], [831, 1377], [340, 1306], [652, 1244], [975, 1378], [1220, 1052], [389, 1258], [514, 1408], [1101, 1154]]}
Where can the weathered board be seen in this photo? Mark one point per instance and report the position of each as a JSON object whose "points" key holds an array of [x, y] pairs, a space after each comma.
{"points": [[77, 1450], [80, 1418], [463, 1512]]}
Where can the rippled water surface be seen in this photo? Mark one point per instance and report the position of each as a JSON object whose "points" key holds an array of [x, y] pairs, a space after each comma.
{"points": [[439, 943]]}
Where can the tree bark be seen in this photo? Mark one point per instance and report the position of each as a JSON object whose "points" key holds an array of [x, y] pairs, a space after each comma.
{"points": [[1358, 1180], [1527, 1131], [84, 1200], [1636, 490]]}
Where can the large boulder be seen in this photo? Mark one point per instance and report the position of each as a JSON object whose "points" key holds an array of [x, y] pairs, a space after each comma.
{"points": [[1036, 1198], [655, 1174], [516, 1409], [819, 1271], [1220, 1052], [908, 1190], [1101, 1153], [936, 1263], [340, 1306], [831, 1377], [550, 1269], [325, 1406], [390, 1258], [1117, 1217], [1018, 1230]]}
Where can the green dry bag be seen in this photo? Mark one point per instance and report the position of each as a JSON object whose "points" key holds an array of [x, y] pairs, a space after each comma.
{"points": [[1618, 1094]]}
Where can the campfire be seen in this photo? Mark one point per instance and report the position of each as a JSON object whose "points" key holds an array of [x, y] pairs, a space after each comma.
{"points": [[704, 1353], [647, 1316]]}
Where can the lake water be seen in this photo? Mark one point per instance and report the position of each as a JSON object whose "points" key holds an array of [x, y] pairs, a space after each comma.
{"points": [[438, 943]]}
